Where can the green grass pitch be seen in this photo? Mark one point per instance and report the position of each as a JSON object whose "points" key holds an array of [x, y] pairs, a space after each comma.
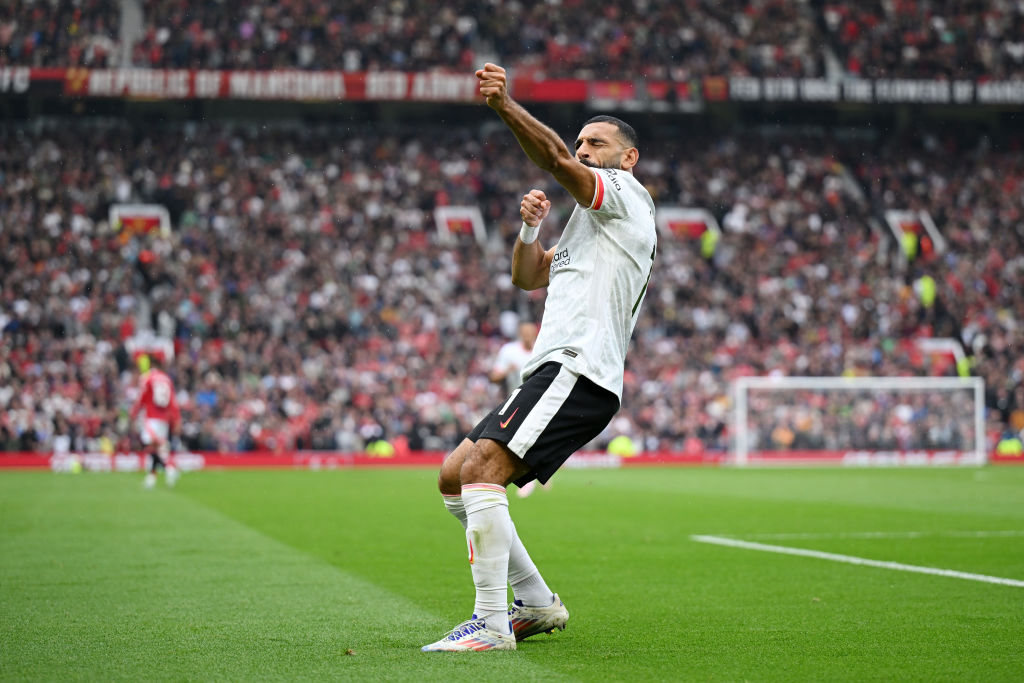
{"points": [[342, 575]]}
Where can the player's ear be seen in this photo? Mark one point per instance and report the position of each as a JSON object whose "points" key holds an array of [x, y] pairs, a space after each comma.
{"points": [[629, 159]]}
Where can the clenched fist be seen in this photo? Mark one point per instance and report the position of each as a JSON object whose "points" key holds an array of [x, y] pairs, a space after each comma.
{"points": [[534, 207], [493, 84]]}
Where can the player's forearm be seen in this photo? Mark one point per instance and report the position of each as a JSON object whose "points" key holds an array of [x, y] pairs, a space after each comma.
{"points": [[541, 144], [529, 266]]}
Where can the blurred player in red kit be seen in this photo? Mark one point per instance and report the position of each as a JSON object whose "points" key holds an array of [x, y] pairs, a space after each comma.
{"points": [[161, 418]]}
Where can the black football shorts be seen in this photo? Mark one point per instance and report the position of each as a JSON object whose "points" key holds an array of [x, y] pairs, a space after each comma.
{"points": [[553, 414]]}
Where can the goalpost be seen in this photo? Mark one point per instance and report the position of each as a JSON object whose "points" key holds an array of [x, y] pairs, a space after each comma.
{"points": [[859, 420]]}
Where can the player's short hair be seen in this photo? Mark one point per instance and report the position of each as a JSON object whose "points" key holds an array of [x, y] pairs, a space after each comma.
{"points": [[626, 131]]}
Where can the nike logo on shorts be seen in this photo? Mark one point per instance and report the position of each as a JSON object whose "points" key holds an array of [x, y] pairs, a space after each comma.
{"points": [[505, 423]]}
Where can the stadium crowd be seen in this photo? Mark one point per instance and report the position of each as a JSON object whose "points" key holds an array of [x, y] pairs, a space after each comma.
{"points": [[313, 306], [623, 39], [59, 33], [863, 420], [945, 39]]}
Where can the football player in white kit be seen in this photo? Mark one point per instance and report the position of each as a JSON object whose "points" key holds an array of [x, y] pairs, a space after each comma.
{"points": [[597, 275], [513, 356]]}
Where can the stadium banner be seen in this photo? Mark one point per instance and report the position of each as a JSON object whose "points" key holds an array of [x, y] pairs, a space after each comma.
{"points": [[332, 460], [866, 458], [686, 222], [16, 79], [194, 461], [146, 343], [139, 219], [446, 86], [549, 90], [308, 460], [919, 226], [451, 221], [642, 95], [285, 84], [875, 91]]}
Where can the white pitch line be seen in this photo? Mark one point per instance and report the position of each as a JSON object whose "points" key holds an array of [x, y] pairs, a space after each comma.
{"points": [[849, 559], [1007, 533]]}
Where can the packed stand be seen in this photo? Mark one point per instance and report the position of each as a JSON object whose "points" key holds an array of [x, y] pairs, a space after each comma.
{"points": [[312, 306], [622, 39], [976, 192], [309, 307], [948, 39], [59, 33], [807, 279], [863, 420]]}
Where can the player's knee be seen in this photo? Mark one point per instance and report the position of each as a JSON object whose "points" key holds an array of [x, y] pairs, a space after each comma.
{"points": [[449, 482], [448, 485]]}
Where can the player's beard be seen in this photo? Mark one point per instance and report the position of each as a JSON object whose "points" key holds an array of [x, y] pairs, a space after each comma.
{"points": [[590, 164]]}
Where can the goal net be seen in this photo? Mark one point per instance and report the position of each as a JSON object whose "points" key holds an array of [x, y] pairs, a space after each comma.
{"points": [[859, 420]]}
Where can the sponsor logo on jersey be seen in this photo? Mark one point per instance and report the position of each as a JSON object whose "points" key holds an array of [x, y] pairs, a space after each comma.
{"points": [[560, 260]]}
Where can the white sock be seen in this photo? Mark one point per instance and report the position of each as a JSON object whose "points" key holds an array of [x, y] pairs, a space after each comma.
{"points": [[454, 505], [489, 535], [524, 577], [528, 585]]}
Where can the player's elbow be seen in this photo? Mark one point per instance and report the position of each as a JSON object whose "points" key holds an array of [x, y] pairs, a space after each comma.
{"points": [[526, 278], [528, 284], [520, 282]]}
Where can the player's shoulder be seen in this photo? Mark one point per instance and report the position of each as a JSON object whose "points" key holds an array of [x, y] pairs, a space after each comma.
{"points": [[623, 183], [619, 176]]}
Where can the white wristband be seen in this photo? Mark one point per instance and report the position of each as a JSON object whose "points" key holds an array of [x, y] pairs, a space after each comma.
{"points": [[528, 233]]}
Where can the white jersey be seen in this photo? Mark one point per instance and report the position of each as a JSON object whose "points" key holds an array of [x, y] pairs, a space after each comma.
{"points": [[598, 280], [510, 360]]}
